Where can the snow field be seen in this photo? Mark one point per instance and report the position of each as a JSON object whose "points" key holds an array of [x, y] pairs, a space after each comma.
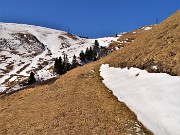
{"points": [[153, 97], [53, 40]]}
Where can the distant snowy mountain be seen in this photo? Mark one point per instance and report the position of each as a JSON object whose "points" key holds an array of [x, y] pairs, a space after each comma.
{"points": [[25, 48]]}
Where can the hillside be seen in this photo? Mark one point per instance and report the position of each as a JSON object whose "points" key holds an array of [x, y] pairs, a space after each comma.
{"points": [[125, 38], [76, 103], [157, 50], [25, 48], [79, 103]]}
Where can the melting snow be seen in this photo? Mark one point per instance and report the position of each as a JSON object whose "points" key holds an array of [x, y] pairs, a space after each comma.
{"points": [[106, 40], [147, 28], [153, 97]]}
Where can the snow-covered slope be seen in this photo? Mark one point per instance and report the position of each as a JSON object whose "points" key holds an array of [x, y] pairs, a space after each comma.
{"points": [[154, 97], [25, 48]]}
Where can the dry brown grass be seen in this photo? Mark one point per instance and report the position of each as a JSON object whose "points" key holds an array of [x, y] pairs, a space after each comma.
{"points": [[76, 103], [71, 36], [23, 68], [159, 46], [79, 103], [62, 38], [127, 38]]}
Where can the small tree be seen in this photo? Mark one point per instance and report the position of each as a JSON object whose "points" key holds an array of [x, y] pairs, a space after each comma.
{"points": [[95, 53], [96, 50], [96, 44], [56, 65], [60, 66], [66, 64], [89, 54], [31, 78], [82, 56], [74, 62]]}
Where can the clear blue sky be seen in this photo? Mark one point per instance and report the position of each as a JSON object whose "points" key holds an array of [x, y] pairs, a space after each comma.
{"points": [[92, 18]]}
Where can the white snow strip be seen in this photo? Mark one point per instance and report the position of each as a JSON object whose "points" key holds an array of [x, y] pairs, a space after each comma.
{"points": [[106, 40], [153, 97], [147, 28]]}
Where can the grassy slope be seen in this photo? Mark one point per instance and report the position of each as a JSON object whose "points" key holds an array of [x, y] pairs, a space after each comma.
{"points": [[159, 46], [76, 103]]}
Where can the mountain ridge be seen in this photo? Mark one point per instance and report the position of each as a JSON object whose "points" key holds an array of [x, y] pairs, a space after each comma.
{"points": [[26, 48], [157, 48], [88, 96]]}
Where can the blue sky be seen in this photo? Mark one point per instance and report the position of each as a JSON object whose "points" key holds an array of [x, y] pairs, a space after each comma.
{"points": [[92, 18]]}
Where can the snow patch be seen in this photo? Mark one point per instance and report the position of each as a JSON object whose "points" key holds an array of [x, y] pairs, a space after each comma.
{"points": [[153, 97], [106, 40], [147, 28]]}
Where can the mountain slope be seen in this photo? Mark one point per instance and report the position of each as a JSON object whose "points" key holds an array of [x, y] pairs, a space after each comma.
{"points": [[78, 102], [157, 50], [25, 48]]}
